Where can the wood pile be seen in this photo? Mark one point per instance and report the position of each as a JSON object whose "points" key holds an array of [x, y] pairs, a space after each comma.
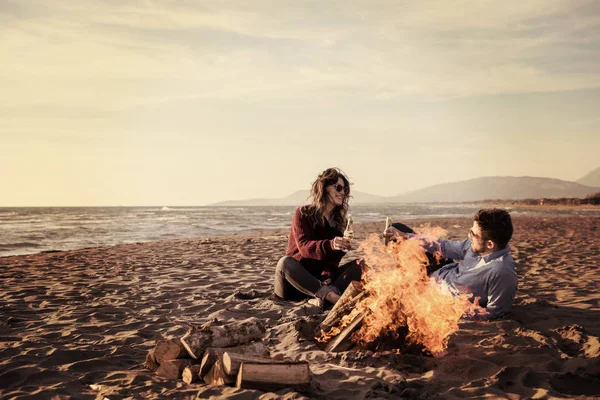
{"points": [[229, 354]]}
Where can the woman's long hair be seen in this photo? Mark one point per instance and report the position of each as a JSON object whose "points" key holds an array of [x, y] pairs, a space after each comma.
{"points": [[316, 210]]}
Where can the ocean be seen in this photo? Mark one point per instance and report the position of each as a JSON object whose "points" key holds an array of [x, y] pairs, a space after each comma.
{"points": [[33, 230]]}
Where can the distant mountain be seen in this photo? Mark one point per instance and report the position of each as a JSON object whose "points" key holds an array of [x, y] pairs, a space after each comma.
{"points": [[591, 179], [298, 198], [486, 188], [496, 187]]}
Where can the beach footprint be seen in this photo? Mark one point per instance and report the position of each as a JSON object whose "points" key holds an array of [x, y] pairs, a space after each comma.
{"points": [[575, 342]]}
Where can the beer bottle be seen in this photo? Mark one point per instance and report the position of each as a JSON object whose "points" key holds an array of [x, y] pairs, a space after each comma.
{"points": [[387, 236], [349, 232]]}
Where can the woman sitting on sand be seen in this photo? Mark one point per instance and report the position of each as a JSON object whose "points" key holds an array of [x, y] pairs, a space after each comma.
{"points": [[310, 267]]}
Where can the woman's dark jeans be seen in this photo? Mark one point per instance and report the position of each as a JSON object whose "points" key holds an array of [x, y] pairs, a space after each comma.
{"points": [[294, 282]]}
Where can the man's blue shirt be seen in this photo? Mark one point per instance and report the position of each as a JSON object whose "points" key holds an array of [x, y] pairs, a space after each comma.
{"points": [[492, 277]]}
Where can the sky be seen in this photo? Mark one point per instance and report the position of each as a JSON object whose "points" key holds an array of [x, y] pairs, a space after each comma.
{"points": [[167, 103]]}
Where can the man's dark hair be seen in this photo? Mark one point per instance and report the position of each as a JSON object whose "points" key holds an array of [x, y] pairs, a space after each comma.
{"points": [[496, 225]]}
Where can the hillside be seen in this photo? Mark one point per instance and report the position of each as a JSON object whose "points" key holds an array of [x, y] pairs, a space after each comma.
{"points": [[496, 187], [478, 189], [591, 179], [300, 197]]}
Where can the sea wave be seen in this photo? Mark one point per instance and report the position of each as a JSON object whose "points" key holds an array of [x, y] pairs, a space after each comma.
{"points": [[30, 230], [21, 245]]}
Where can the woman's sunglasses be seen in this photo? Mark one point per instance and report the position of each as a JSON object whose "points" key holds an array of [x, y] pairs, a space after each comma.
{"points": [[339, 188]]}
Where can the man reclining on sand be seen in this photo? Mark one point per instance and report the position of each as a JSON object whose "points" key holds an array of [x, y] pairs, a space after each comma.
{"points": [[487, 269]]}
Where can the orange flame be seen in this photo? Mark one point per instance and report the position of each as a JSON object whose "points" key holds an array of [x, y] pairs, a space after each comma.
{"points": [[400, 294]]}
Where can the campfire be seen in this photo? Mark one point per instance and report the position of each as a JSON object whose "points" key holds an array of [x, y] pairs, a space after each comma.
{"points": [[397, 305]]}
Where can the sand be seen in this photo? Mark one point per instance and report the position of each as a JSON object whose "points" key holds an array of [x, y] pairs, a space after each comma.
{"points": [[78, 324]]}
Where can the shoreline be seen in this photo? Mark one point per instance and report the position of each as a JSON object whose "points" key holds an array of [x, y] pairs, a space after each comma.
{"points": [[406, 218]]}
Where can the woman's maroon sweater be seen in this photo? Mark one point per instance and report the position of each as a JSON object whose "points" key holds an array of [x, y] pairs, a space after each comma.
{"points": [[313, 245]]}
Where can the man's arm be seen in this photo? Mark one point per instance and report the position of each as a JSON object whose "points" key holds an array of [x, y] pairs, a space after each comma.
{"points": [[455, 249], [502, 288], [449, 248]]}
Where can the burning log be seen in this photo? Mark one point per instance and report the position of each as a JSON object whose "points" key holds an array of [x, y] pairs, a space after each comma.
{"points": [[211, 355], [342, 341], [196, 340], [269, 377], [404, 308], [172, 369], [351, 296], [400, 307], [169, 349], [232, 361], [191, 373], [151, 362], [217, 376]]}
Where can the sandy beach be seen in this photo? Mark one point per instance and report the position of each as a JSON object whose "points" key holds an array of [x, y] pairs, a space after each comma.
{"points": [[78, 324]]}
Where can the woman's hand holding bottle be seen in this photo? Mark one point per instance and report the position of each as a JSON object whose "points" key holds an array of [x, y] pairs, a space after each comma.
{"points": [[339, 243]]}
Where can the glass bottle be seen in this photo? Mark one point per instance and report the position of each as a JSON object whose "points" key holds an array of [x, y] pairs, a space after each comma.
{"points": [[387, 236], [349, 232]]}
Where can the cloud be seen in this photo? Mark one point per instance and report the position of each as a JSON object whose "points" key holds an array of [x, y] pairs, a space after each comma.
{"points": [[115, 55]]}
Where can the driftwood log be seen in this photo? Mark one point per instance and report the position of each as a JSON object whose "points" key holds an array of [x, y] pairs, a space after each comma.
{"points": [[232, 362], [172, 369], [211, 355], [191, 373], [169, 349], [268, 377], [151, 362], [197, 340], [217, 376]]}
